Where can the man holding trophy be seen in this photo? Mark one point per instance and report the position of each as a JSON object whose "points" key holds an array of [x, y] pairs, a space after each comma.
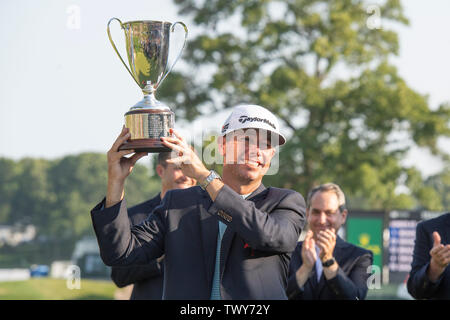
{"points": [[230, 237]]}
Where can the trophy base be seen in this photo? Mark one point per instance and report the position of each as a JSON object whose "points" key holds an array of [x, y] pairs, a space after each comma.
{"points": [[145, 145], [146, 127]]}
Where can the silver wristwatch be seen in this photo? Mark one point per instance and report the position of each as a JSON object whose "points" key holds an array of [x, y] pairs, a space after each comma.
{"points": [[212, 175]]}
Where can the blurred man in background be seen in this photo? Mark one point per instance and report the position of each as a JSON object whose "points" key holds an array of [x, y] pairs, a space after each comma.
{"points": [[324, 266], [147, 280], [429, 277]]}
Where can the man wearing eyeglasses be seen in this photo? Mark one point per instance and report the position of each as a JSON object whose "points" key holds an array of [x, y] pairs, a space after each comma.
{"points": [[324, 266]]}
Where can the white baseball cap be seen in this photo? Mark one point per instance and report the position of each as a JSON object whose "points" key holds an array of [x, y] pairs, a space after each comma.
{"points": [[247, 116]]}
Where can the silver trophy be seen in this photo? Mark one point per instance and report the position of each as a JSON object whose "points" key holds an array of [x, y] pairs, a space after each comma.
{"points": [[147, 44]]}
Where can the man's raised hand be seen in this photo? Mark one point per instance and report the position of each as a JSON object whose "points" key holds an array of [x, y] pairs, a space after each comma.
{"points": [[119, 167]]}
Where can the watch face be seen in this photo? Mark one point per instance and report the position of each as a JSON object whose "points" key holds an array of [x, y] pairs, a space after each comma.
{"points": [[212, 175]]}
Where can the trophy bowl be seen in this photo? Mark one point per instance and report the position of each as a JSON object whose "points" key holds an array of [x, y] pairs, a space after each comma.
{"points": [[147, 45]]}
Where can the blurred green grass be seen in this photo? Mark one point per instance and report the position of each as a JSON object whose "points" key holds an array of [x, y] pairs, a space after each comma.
{"points": [[56, 289], [386, 292]]}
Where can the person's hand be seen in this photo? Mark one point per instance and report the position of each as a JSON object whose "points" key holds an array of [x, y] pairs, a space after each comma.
{"points": [[185, 157], [440, 257], [326, 241], [119, 167], [309, 255]]}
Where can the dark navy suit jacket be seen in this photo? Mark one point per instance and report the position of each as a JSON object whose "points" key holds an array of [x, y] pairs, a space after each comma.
{"points": [[261, 233], [349, 283], [419, 286], [147, 279]]}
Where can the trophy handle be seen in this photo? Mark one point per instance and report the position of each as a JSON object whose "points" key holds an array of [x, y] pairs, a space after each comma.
{"points": [[181, 51], [115, 49]]}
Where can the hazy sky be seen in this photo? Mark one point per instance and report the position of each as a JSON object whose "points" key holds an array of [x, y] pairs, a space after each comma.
{"points": [[64, 91]]}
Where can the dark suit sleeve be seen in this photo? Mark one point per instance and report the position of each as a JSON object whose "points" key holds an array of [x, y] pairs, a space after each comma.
{"points": [[119, 243], [276, 232], [123, 276], [419, 286], [294, 291], [353, 286]]}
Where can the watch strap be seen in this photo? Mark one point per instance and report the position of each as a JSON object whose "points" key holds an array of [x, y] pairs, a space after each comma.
{"points": [[212, 175], [328, 263]]}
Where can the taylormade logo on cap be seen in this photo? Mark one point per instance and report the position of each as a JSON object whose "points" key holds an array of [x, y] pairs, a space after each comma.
{"points": [[252, 116], [243, 119]]}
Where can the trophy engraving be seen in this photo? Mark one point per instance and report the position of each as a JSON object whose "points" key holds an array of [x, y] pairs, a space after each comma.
{"points": [[147, 46]]}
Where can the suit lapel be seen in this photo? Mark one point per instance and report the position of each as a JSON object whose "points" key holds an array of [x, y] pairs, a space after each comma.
{"points": [[227, 239], [320, 284], [209, 231], [256, 196], [446, 234]]}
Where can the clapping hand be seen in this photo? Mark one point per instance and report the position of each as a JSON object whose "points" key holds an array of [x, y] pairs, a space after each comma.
{"points": [[440, 257], [326, 241], [309, 255]]}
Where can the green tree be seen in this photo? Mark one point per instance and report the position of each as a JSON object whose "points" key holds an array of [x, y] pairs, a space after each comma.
{"points": [[433, 193], [325, 71], [8, 186], [56, 196], [79, 183], [441, 183], [33, 195]]}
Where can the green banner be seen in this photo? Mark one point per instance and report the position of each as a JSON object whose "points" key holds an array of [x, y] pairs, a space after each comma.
{"points": [[368, 234]]}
